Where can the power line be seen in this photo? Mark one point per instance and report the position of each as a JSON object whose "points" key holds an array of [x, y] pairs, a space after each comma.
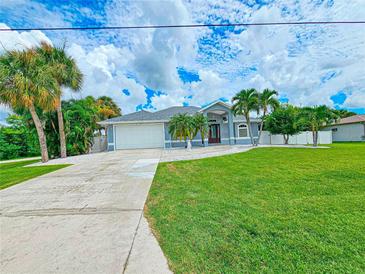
{"points": [[187, 26]]}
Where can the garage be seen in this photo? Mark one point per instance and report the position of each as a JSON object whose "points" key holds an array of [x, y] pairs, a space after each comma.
{"points": [[145, 135]]}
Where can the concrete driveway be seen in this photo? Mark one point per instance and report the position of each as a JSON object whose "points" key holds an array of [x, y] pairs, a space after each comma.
{"points": [[87, 218]]}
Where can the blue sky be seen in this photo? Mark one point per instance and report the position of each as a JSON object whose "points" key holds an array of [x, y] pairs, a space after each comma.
{"points": [[153, 69]]}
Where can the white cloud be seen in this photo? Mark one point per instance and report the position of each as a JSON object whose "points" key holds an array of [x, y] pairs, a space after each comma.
{"points": [[104, 69], [20, 40], [290, 59], [157, 52], [355, 99]]}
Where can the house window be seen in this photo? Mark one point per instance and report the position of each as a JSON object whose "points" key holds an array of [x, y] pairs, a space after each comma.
{"points": [[334, 129], [242, 130]]}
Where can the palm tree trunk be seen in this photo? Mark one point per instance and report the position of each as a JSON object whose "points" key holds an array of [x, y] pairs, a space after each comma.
{"points": [[249, 128], [315, 138], [61, 130], [41, 136], [202, 136], [261, 125]]}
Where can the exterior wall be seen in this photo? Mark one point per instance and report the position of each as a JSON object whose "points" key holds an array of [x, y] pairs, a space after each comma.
{"points": [[224, 131], [245, 140], [110, 138], [227, 131], [171, 143], [349, 132]]}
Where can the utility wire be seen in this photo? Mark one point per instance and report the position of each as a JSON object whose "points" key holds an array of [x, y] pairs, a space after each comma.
{"points": [[187, 26]]}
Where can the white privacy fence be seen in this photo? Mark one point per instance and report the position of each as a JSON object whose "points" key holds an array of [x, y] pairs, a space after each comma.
{"points": [[303, 138], [99, 144]]}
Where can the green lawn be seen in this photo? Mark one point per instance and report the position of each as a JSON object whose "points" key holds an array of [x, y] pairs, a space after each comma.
{"points": [[16, 172], [277, 210]]}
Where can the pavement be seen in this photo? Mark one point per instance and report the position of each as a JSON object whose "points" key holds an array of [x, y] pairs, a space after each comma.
{"points": [[20, 160], [180, 154], [86, 218]]}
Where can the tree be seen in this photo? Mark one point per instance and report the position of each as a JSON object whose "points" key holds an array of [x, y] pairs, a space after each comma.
{"points": [[106, 109], [343, 113], [67, 74], [284, 120], [26, 83], [182, 126], [244, 102], [80, 124], [267, 101], [201, 125], [317, 117], [16, 139]]}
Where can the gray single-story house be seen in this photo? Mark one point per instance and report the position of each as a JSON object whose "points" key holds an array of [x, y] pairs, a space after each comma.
{"points": [[349, 129], [145, 129]]}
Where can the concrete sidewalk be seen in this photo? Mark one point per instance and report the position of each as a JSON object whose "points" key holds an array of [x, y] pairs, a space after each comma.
{"points": [[20, 160], [86, 218], [179, 154]]}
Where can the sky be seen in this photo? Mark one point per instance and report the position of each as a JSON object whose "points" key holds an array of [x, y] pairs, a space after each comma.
{"points": [[156, 68]]}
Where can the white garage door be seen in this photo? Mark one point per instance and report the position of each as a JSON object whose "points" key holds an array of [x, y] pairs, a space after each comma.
{"points": [[139, 136]]}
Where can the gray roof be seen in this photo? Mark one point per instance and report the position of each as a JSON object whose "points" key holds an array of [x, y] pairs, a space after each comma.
{"points": [[352, 119], [161, 115]]}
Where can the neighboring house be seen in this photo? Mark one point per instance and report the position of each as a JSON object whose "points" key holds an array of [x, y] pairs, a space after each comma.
{"points": [[144, 129], [348, 129]]}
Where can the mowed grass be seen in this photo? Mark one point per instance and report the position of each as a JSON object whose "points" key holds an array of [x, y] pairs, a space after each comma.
{"points": [[276, 210], [16, 172]]}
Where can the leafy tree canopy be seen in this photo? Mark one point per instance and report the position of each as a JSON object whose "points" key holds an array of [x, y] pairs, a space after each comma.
{"points": [[284, 120], [17, 140]]}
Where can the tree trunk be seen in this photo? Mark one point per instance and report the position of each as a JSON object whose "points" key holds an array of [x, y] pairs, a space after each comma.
{"points": [[286, 139], [41, 136], [315, 138], [261, 125], [189, 145], [61, 130], [249, 128]]}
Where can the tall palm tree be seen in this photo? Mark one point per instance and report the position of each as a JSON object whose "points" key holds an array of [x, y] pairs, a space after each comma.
{"points": [[26, 84], [317, 117], [67, 74], [201, 125], [267, 101], [244, 102]]}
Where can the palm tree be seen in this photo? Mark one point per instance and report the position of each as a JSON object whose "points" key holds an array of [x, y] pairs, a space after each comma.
{"points": [[267, 101], [244, 102], [106, 109], [67, 75], [317, 117], [201, 125], [343, 113], [182, 126], [26, 84]]}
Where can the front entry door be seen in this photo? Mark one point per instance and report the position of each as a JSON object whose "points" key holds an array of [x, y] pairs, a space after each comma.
{"points": [[214, 134]]}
